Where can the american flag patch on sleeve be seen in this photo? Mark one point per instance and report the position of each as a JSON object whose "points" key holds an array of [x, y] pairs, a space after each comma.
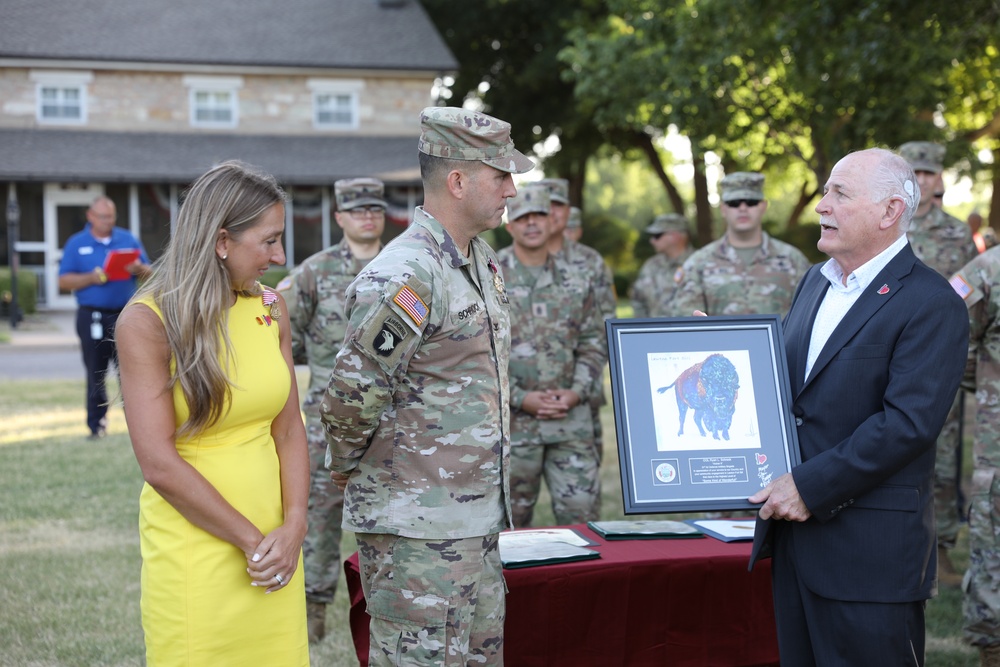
{"points": [[962, 288], [411, 304]]}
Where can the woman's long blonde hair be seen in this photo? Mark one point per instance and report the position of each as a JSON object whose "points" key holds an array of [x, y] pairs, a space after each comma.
{"points": [[191, 285]]}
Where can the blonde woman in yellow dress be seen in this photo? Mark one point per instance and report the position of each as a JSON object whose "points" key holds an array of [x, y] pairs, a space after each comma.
{"points": [[212, 407]]}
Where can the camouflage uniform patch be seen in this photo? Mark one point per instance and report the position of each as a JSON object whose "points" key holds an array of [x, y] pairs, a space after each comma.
{"points": [[433, 602], [314, 297], [717, 282], [654, 287], [982, 580], [424, 432], [588, 263], [945, 244], [557, 342]]}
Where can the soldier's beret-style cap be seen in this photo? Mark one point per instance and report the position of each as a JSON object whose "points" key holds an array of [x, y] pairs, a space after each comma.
{"points": [[353, 192], [742, 185], [668, 222], [528, 200], [923, 156], [461, 134], [558, 189]]}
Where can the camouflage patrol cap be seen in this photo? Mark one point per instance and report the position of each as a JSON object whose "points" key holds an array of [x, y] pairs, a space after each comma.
{"points": [[460, 134], [558, 189], [668, 222], [528, 200], [353, 192], [575, 219], [742, 185], [923, 156]]}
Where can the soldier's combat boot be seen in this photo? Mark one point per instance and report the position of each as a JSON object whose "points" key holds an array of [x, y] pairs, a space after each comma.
{"points": [[316, 621]]}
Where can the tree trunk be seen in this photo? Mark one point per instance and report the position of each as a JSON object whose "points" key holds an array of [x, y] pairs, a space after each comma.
{"points": [[645, 143], [804, 198], [993, 217], [703, 208]]}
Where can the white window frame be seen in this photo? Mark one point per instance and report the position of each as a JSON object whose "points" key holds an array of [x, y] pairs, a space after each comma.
{"points": [[62, 82], [348, 88], [214, 86]]}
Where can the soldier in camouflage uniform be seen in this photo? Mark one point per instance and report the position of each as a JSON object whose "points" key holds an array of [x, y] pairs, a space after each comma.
{"points": [[417, 413], [945, 244], [586, 262], [574, 225], [979, 284], [746, 271], [654, 287], [314, 294], [558, 352]]}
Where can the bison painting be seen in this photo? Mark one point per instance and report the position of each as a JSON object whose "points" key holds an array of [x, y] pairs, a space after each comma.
{"points": [[709, 388]]}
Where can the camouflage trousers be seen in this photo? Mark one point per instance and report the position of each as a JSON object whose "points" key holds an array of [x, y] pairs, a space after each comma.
{"points": [[981, 606], [947, 518], [321, 547], [433, 602], [572, 475]]}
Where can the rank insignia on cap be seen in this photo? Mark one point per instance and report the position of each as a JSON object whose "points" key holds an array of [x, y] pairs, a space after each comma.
{"points": [[411, 304], [884, 289], [962, 288]]}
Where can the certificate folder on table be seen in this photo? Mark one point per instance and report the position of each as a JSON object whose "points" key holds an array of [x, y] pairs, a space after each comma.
{"points": [[643, 530], [530, 555], [117, 260], [543, 546], [727, 530]]}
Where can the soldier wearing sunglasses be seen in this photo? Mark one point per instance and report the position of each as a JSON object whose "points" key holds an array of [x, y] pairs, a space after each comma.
{"points": [[746, 271]]}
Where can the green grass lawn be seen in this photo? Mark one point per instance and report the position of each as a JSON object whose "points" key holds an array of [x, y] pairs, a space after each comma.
{"points": [[69, 546]]}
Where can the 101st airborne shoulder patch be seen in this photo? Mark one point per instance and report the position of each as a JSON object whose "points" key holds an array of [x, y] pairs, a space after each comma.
{"points": [[384, 336]]}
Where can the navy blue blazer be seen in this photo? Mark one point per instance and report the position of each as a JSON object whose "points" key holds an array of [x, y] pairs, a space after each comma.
{"points": [[867, 419]]}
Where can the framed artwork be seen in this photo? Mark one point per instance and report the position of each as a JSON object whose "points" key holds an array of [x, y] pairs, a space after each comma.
{"points": [[702, 411]]}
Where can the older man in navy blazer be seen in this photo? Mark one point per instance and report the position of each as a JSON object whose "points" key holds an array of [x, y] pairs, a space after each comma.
{"points": [[876, 344]]}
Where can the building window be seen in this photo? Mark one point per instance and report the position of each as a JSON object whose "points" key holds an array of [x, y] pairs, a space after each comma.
{"points": [[335, 103], [61, 97], [213, 107], [214, 101]]}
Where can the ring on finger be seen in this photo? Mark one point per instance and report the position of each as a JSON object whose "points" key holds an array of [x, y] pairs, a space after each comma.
{"points": [[279, 578]]}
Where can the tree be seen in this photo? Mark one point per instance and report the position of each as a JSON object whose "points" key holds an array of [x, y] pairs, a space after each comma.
{"points": [[508, 54], [785, 89]]}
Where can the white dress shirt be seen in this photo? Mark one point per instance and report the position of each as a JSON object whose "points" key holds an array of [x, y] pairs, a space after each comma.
{"points": [[840, 296]]}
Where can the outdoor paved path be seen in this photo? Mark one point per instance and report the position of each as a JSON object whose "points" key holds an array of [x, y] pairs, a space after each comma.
{"points": [[43, 346]]}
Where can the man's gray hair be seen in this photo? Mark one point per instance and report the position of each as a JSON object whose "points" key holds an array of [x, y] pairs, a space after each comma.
{"points": [[893, 177]]}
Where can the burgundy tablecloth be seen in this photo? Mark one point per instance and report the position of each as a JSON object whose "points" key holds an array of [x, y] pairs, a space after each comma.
{"points": [[644, 602]]}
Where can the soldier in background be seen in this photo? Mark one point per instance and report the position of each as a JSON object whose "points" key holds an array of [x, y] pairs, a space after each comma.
{"points": [[587, 262], [978, 283], [945, 244], [746, 271], [654, 287], [574, 225], [558, 353], [314, 294], [417, 413]]}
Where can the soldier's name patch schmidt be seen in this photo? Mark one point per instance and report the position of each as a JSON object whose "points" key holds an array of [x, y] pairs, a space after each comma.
{"points": [[411, 304]]}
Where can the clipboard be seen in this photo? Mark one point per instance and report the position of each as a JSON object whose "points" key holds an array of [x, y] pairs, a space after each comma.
{"points": [[117, 260]]}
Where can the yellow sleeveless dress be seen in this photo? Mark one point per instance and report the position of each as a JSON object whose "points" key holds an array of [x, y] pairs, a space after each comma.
{"points": [[198, 607]]}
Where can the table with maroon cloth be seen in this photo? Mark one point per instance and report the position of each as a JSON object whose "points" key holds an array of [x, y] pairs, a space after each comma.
{"points": [[643, 602]]}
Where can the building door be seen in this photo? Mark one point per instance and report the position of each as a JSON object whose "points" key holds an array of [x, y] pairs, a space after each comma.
{"points": [[65, 214]]}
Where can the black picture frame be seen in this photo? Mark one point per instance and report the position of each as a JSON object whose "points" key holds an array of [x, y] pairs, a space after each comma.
{"points": [[708, 446]]}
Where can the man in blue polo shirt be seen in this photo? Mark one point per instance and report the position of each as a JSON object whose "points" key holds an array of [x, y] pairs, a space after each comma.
{"points": [[102, 287]]}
